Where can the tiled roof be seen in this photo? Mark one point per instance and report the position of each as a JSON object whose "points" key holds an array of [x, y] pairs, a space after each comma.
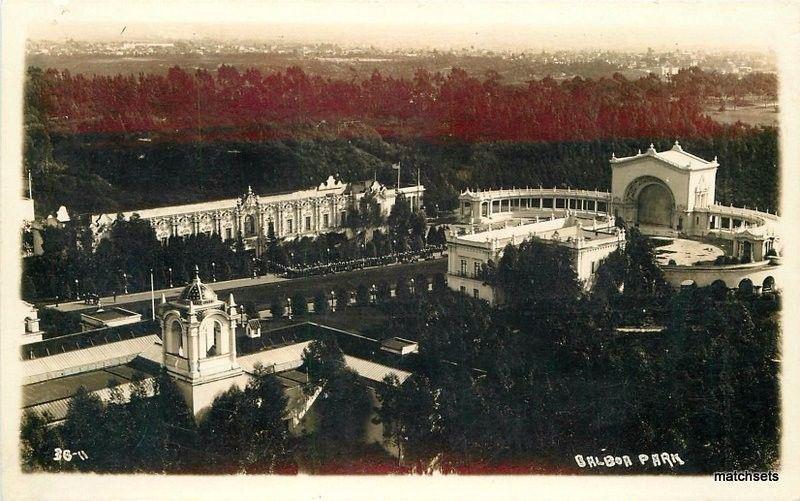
{"points": [[283, 358], [58, 408], [88, 339], [675, 156], [374, 371], [95, 357]]}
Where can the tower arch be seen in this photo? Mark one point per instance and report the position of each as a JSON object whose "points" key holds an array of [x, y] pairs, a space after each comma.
{"points": [[652, 200]]}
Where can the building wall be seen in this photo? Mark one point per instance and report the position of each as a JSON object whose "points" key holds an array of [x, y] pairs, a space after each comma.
{"points": [[466, 257], [731, 275], [293, 215]]}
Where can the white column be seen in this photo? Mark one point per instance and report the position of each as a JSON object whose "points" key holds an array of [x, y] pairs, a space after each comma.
{"points": [[192, 348], [232, 341]]}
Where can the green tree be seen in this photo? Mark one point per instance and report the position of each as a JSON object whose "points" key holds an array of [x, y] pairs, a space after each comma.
{"points": [[344, 407], [320, 302], [299, 304], [267, 449], [404, 223], [37, 442], [323, 360], [81, 431]]}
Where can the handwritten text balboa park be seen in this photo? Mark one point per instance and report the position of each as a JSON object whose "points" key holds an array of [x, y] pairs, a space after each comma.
{"points": [[664, 459]]}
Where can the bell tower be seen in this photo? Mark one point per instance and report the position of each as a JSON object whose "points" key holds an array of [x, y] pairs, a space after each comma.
{"points": [[198, 334]]}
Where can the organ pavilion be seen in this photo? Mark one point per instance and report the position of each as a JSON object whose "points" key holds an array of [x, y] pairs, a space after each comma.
{"points": [[667, 193]]}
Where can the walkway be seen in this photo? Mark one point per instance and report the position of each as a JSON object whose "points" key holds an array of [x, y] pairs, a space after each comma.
{"points": [[136, 297], [281, 286]]}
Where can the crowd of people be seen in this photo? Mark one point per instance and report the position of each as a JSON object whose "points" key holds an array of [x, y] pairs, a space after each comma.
{"points": [[319, 268]]}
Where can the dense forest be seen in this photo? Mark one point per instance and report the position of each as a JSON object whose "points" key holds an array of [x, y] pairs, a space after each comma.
{"points": [[102, 144], [228, 103], [93, 176]]}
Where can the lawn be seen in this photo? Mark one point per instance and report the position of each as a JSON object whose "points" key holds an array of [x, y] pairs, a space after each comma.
{"points": [[751, 115]]}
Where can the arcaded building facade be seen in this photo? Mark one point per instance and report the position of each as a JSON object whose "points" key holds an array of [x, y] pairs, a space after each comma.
{"points": [[293, 214]]}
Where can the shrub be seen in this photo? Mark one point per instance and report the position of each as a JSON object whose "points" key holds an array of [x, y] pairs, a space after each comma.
{"points": [[320, 302], [439, 283], [277, 308], [401, 288], [342, 296], [384, 291], [362, 294], [299, 304], [420, 284]]}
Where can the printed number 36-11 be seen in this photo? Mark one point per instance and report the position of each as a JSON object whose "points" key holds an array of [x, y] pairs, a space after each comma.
{"points": [[67, 455]]}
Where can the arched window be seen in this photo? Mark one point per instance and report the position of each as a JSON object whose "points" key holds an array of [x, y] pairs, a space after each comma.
{"points": [[213, 339], [176, 338], [249, 225]]}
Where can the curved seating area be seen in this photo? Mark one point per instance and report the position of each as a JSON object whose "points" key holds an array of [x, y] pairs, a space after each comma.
{"points": [[482, 206], [487, 208]]}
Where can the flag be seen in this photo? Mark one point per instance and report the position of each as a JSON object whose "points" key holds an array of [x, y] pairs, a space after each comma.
{"points": [[396, 166]]}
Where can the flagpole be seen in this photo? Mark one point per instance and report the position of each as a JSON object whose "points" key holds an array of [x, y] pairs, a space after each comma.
{"points": [[152, 295]]}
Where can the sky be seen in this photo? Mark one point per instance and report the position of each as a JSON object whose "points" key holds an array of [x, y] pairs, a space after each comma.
{"points": [[500, 25]]}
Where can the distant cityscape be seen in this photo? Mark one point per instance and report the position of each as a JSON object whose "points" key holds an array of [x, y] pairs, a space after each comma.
{"points": [[558, 64]]}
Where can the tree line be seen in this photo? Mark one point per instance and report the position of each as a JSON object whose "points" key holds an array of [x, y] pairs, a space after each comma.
{"points": [[248, 104]]}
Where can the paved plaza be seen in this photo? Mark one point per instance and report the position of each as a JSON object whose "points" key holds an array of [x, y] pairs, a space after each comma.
{"points": [[684, 252]]}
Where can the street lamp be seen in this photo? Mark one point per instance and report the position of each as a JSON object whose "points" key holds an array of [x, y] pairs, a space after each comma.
{"points": [[289, 307], [333, 301], [77, 294], [213, 271], [373, 294], [253, 260], [411, 286], [169, 270], [124, 283]]}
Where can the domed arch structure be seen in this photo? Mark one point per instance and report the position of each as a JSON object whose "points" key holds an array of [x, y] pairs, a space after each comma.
{"points": [[199, 343], [652, 200]]}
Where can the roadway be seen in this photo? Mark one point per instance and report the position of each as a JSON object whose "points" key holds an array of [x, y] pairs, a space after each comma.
{"points": [[262, 289]]}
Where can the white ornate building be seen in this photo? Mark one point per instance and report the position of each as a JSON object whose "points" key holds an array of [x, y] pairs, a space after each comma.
{"points": [[668, 193], [199, 344], [290, 215]]}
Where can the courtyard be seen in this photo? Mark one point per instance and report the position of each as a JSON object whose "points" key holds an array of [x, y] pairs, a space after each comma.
{"points": [[684, 252]]}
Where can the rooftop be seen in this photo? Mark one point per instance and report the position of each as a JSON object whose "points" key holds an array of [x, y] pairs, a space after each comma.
{"points": [[65, 387], [675, 156], [88, 339], [108, 314], [521, 230]]}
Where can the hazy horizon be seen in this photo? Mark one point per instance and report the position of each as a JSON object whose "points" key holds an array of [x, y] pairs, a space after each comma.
{"points": [[443, 25]]}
